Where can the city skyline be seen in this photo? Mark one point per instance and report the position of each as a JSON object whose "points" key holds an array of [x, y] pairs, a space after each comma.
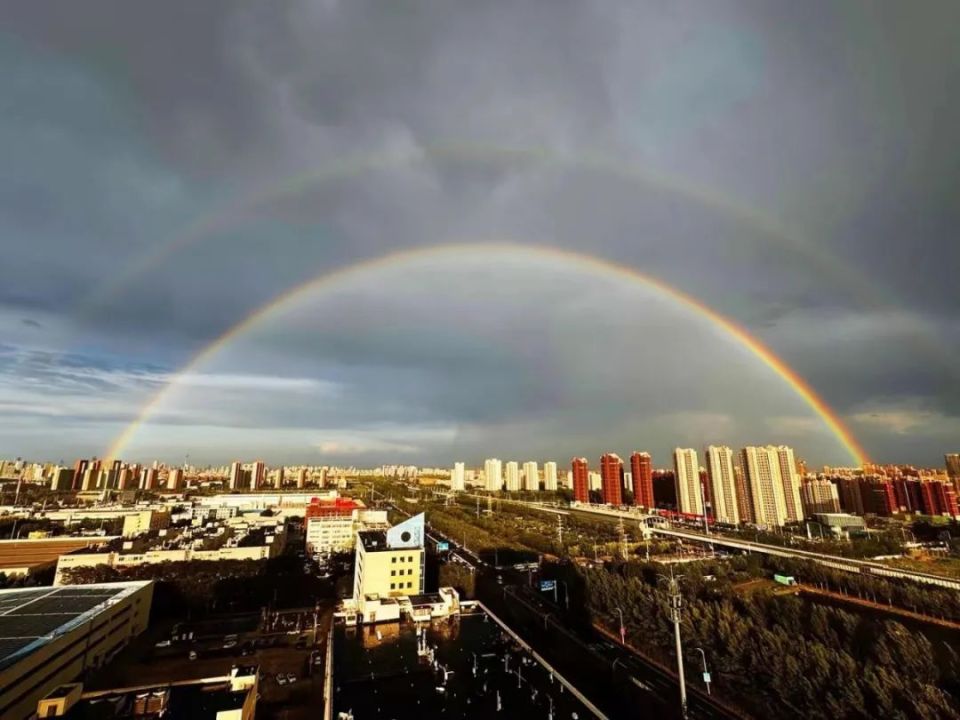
{"points": [[610, 224]]}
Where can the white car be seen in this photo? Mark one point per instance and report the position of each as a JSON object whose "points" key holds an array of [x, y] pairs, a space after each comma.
{"points": [[281, 679]]}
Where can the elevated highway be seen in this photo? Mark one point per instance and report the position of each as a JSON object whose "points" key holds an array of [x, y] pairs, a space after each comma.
{"points": [[661, 526]]}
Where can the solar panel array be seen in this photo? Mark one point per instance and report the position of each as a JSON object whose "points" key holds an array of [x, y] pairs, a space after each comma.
{"points": [[28, 615]]}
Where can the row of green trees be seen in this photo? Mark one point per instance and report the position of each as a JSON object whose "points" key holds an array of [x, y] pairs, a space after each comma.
{"points": [[779, 655]]}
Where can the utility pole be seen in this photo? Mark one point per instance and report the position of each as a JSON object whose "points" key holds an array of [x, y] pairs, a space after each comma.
{"points": [[676, 603], [560, 531], [623, 540]]}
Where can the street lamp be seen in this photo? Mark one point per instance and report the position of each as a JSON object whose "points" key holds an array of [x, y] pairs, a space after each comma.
{"points": [[623, 630], [706, 673]]}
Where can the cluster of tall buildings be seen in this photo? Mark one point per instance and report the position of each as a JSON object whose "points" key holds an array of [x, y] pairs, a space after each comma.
{"points": [[509, 476], [761, 485], [613, 479]]}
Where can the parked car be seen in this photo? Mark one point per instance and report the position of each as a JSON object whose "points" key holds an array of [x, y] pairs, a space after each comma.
{"points": [[281, 679], [192, 655], [291, 678], [163, 643]]}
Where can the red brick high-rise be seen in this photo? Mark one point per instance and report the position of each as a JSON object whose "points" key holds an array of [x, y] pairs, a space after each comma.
{"points": [[611, 477], [641, 466], [581, 481]]}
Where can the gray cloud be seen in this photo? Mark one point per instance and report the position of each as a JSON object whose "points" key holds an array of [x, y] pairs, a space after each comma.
{"points": [[790, 164]]}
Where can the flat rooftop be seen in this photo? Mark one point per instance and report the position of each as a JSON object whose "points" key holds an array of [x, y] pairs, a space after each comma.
{"points": [[186, 702], [373, 540], [480, 674], [30, 618], [31, 553]]}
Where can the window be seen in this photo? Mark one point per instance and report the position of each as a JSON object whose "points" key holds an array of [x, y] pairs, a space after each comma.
{"points": [[409, 584], [392, 586], [392, 573], [410, 559], [393, 559]]}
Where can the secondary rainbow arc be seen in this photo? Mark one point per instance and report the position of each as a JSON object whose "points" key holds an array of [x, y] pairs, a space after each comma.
{"points": [[799, 385]]}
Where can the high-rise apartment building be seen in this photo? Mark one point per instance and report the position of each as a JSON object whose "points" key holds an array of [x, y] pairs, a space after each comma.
{"points": [[79, 470], [513, 476], [62, 479], [581, 487], [952, 461], [744, 499], [258, 475], [761, 467], [611, 479], [493, 474], [457, 480], [301, 478], [531, 476], [819, 496], [641, 467], [236, 476], [148, 478], [175, 479], [550, 476], [723, 484], [687, 479], [791, 483]]}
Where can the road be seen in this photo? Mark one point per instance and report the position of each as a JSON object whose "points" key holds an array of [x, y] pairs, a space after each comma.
{"points": [[613, 677], [851, 565]]}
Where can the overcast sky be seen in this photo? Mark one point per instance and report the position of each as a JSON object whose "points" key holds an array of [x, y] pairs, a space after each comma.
{"points": [[168, 168]]}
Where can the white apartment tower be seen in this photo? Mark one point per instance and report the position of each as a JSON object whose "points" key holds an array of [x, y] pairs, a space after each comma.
{"points": [[531, 476], [513, 476], [493, 474], [687, 478], [457, 483], [723, 484], [761, 467], [791, 483], [550, 475]]}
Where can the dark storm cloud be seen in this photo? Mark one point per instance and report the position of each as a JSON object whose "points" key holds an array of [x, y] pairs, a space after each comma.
{"points": [[125, 123]]}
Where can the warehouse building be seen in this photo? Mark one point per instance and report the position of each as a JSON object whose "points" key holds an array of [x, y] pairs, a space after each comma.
{"points": [[51, 636]]}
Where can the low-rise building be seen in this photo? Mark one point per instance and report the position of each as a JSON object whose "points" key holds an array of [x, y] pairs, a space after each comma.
{"points": [[332, 525], [50, 636], [231, 697], [390, 563], [271, 546]]}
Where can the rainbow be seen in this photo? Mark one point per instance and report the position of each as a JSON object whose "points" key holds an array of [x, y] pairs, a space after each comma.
{"points": [[452, 251], [231, 214]]}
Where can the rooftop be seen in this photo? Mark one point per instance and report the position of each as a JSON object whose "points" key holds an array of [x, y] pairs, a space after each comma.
{"points": [[31, 618], [189, 702], [375, 540]]}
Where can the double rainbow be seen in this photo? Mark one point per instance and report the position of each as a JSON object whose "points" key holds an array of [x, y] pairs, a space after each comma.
{"points": [[452, 252]]}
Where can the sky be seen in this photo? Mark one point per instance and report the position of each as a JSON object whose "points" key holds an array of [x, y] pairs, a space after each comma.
{"points": [[170, 168]]}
